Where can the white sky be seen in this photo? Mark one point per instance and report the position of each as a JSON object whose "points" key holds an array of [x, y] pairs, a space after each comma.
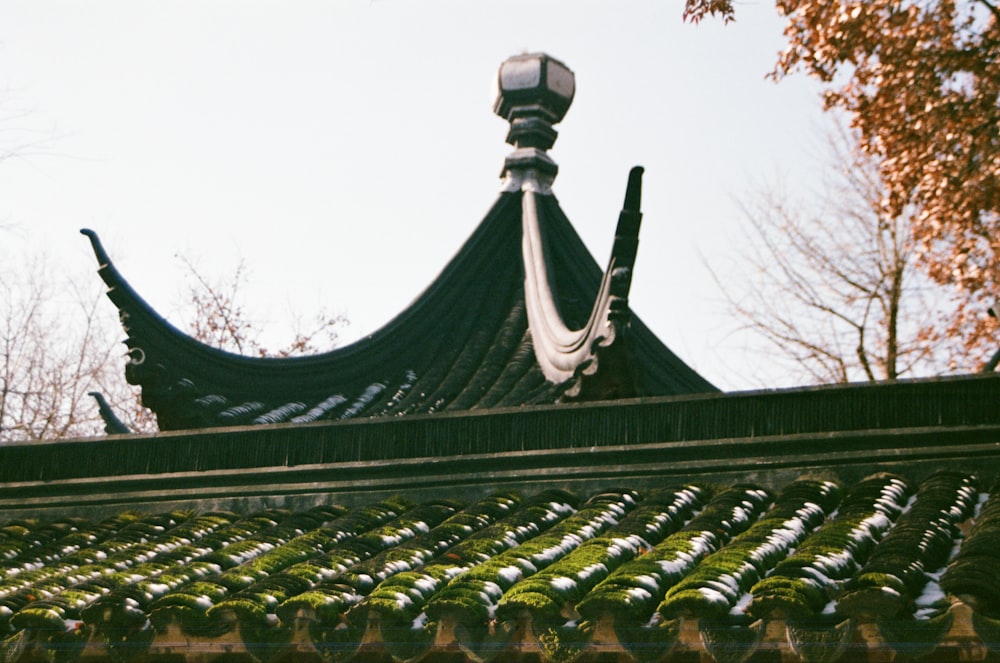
{"points": [[345, 149]]}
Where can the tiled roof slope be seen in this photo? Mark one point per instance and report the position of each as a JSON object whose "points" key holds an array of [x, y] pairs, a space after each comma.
{"points": [[815, 569], [845, 523], [521, 315]]}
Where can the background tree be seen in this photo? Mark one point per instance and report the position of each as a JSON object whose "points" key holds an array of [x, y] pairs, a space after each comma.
{"points": [[60, 338], [55, 347], [60, 341], [920, 82], [835, 290], [219, 319]]}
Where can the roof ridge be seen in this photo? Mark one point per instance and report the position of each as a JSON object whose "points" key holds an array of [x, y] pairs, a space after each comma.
{"points": [[566, 354]]}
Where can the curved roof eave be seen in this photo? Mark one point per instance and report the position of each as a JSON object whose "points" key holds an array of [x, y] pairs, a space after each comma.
{"points": [[150, 332]]}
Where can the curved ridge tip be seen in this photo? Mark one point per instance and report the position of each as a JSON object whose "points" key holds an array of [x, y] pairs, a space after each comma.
{"points": [[112, 424], [633, 191], [103, 260]]}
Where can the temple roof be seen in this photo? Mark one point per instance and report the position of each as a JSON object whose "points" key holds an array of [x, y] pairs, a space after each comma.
{"points": [[521, 315]]}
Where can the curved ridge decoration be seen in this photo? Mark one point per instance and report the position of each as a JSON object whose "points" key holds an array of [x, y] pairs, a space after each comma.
{"points": [[565, 353], [130, 303]]}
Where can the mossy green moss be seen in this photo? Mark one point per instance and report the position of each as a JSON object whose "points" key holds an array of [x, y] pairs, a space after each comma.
{"points": [[975, 571], [714, 587], [780, 601], [699, 601], [326, 604], [919, 543], [628, 604], [636, 587], [248, 608], [795, 596], [40, 616], [543, 608], [466, 606]]}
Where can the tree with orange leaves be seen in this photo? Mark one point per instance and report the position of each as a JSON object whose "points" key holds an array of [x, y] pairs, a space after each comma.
{"points": [[920, 83]]}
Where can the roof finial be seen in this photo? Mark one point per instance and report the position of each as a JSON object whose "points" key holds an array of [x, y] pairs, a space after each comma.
{"points": [[534, 92]]}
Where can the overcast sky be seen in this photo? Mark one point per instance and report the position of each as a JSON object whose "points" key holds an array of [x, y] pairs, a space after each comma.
{"points": [[345, 149]]}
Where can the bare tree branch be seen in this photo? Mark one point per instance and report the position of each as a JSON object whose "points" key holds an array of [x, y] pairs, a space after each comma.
{"points": [[918, 81], [835, 291]]}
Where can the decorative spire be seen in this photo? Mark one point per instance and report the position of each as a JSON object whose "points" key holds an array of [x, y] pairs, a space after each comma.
{"points": [[534, 92]]}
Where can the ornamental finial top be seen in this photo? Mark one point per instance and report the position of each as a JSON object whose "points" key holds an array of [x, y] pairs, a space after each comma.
{"points": [[534, 92]]}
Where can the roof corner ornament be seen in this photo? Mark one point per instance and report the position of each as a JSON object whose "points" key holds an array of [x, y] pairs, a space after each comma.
{"points": [[113, 425], [596, 360], [626, 246], [611, 372], [534, 91], [95, 243]]}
